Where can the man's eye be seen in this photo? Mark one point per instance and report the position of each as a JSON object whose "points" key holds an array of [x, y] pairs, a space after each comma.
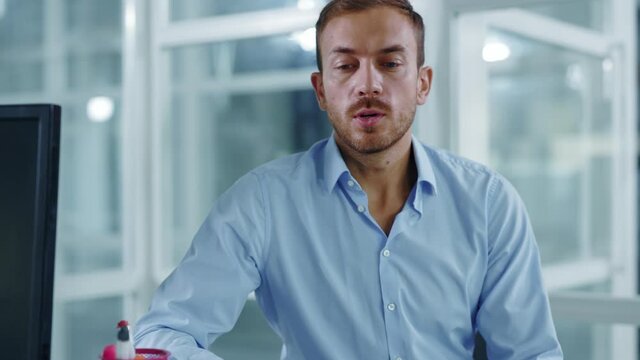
{"points": [[391, 64], [345, 67]]}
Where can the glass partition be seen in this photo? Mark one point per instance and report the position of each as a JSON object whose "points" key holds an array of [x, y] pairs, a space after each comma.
{"points": [[550, 122], [588, 341], [21, 47], [90, 330], [89, 79]]}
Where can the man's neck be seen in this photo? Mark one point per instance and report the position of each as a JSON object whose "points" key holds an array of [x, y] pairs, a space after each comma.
{"points": [[387, 176]]}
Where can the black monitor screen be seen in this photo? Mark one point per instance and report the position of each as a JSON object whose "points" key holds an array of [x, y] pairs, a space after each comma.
{"points": [[29, 138]]}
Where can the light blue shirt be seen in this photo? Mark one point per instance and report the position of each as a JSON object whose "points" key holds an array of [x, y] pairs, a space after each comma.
{"points": [[461, 257]]}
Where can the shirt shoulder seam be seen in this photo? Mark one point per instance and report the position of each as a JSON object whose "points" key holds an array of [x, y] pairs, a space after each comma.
{"points": [[491, 192], [267, 220]]}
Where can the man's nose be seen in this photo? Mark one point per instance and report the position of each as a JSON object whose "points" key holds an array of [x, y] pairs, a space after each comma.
{"points": [[369, 81]]}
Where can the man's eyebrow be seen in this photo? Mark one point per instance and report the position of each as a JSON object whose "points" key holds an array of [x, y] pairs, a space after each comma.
{"points": [[342, 50], [387, 50], [392, 49]]}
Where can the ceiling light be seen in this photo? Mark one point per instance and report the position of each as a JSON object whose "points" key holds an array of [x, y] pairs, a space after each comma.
{"points": [[495, 51], [100, 108], [306, 39]]}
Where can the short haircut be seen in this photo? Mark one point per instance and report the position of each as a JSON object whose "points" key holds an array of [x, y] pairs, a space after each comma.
{"points": [[336, 8]]}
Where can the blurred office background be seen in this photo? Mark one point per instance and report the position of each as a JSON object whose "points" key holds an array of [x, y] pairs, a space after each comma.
{"points": [[167, 102]]}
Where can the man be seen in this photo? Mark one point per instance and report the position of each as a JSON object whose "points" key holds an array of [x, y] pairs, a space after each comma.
{"points": [[370, 245]]}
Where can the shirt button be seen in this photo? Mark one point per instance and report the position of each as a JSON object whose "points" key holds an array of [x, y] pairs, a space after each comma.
{"points": [[386, 253], [350, 183], [360, 208], [398, 358], [391, 307]]}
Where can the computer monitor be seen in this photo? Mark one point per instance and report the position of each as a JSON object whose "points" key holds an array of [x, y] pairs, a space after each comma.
{"points": [[29, 155]]}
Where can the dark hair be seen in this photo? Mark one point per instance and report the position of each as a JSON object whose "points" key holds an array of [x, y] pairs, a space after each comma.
{"points": [[336, 8]]}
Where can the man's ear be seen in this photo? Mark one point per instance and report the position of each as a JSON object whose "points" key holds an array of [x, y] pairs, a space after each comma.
{"points": [[425, 74], [316, 81]]}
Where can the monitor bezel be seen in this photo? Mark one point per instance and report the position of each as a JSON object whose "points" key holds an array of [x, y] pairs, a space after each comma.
{"points": [[43, 255]]}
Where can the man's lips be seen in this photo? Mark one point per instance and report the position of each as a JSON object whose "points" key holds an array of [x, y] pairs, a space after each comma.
{"points": [[368, 117]]}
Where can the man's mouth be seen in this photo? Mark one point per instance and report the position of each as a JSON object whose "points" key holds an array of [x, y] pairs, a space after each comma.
{"points": [[368, 117]]}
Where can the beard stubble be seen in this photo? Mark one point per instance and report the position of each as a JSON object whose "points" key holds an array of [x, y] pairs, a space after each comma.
{"points": [[367, 141]]}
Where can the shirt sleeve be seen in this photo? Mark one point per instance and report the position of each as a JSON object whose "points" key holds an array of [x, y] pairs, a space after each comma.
{"points": [[513, 314], [203, 297]]}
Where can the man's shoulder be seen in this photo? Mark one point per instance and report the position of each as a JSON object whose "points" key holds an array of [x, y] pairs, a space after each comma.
{"points": [[468, 174], [446, 161]]}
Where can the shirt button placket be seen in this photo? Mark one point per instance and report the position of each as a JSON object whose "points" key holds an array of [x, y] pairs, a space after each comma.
{"points": [[389, 295]]}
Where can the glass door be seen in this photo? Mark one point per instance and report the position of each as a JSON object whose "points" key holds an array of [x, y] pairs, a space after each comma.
{"points": [[541, 101]]}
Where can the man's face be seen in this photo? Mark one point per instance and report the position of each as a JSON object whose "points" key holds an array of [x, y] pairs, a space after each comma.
{"points": [[370, 84]]}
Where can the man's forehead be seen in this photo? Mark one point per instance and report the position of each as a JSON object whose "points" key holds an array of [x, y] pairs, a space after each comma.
{"points": [[376, 29], [374, 18]]}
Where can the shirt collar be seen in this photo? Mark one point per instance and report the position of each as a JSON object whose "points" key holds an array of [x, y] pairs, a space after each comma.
{"points": [[425, 170], [335, 167]]}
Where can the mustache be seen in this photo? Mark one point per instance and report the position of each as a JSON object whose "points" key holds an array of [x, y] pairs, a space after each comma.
{"points": [[369, 103]]}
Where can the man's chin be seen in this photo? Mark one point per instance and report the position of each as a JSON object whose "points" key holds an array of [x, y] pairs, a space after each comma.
{"points": [[368, 143], [370, 146]]}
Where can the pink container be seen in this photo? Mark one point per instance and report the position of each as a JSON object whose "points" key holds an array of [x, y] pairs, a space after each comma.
{"points": [[155, 354]]}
